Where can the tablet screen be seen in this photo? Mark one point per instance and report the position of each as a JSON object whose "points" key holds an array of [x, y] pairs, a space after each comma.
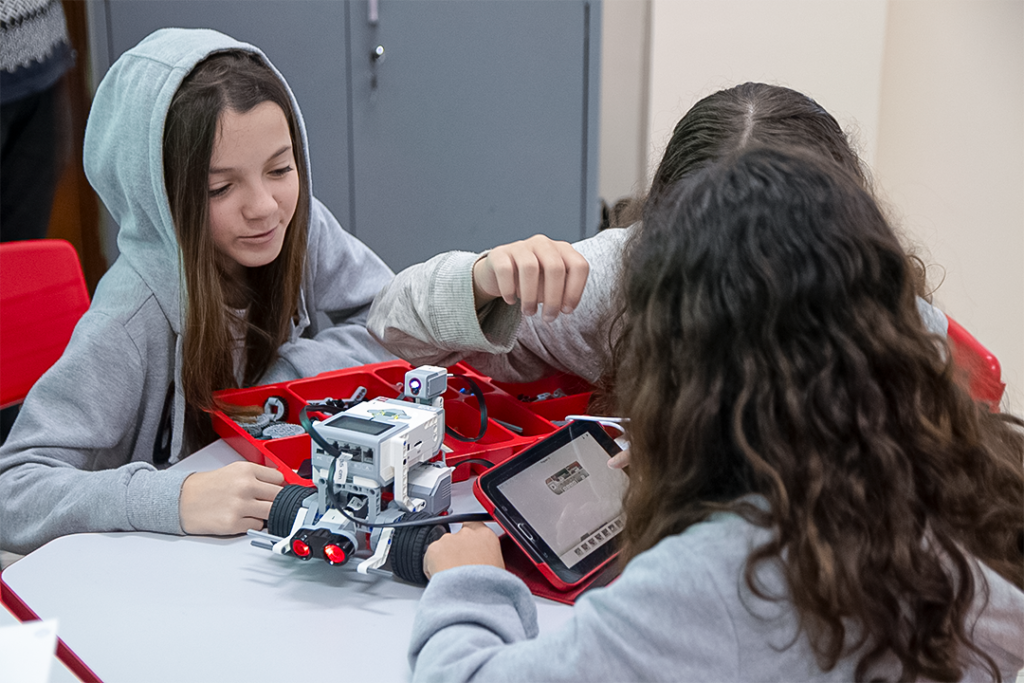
{"points": [[571, 498]]}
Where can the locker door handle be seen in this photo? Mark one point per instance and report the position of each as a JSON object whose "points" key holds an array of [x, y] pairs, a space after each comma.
{"points": [[374, 14]]}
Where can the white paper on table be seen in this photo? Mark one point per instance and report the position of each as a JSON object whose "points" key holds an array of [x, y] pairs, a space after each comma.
{"points": [[27, 651]]}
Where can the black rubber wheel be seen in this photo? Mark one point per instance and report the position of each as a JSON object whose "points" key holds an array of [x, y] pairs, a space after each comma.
{"points": [[283, 509], [409, 545]]}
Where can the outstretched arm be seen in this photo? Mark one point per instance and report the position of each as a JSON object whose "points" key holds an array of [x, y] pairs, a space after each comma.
{"points": [[431, 314]]}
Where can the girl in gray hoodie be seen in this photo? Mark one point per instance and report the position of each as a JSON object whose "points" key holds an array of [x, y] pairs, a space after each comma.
{"points": [[812, 495], [227, 266]]}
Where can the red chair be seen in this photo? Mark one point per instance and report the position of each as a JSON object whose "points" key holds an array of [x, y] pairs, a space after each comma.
{"points": [[982, 368], [42, 297]]}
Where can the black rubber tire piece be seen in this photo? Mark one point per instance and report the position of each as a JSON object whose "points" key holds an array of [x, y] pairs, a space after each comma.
{"points": [[409, 545], [282, 511]]}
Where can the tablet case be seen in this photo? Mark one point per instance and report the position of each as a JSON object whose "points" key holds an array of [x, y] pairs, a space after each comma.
{"points": [[543, 583], [519, 564]]}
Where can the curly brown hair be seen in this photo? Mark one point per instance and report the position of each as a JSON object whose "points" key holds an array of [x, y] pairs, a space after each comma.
{"points": [[772, 346]]}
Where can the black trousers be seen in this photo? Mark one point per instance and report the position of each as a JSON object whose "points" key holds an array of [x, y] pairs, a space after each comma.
{"points": [[31, 147], [7, 418]]}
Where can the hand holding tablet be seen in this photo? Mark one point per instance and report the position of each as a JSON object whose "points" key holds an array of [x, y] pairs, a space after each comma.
{"points": [[560, 502]]}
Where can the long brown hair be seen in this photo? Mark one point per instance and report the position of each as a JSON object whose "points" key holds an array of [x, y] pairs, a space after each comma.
{"points": [[238, 81], [745, 116], [773, 346]]}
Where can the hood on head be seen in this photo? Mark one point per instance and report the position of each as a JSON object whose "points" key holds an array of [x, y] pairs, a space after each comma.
{"points": [[124, 144]]}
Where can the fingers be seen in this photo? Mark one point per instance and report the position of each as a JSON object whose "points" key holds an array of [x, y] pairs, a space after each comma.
{"points": [[257, 482], [506, 280], [271, 475], [528, 277], [473, 544], [578, 270], [256, 498], [228, 500], [537, 272], [255, 510], [243, 515], [552, 279], [254, 524], [619, 460]]}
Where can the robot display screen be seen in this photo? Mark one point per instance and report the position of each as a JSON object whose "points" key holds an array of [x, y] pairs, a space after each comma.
{"points": [[571, 498], [355, 424]]}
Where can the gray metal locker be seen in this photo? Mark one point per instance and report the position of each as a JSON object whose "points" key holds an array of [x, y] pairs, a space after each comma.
{"points": [[476, 127]]}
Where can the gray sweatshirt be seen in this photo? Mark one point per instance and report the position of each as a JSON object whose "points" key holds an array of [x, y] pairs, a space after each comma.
{"points": [[427, 315], [80, 456], [680, 612]]}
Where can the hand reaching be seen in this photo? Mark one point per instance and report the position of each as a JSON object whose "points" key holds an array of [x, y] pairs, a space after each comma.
{"points": [[474, 543], [228, 500], [534, 271]]}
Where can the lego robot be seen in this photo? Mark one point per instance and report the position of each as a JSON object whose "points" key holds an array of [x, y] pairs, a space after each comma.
{"points": [[378, 486]]}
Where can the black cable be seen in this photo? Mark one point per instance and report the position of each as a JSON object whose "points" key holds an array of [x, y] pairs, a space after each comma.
{"points": [[481, 403], [429, 521], [328, 448], [478, 461]]}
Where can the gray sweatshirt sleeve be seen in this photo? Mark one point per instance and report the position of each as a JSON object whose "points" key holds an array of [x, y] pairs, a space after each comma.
{"points": [[342, 278], [66, 466], [934, 319], [427, 315], [658, 621]]}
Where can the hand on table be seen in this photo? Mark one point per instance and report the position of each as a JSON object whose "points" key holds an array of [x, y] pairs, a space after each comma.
{"points": [[533, 271], [229, 500], [474, 543]]}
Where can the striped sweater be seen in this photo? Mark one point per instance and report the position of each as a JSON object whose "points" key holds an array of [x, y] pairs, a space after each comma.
{"points": [[34, 47]]}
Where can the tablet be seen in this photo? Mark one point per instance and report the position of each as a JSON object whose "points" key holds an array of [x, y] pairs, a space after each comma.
{"points": [[560, 502]]}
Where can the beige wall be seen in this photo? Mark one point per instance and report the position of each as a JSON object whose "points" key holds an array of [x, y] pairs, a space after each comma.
{"points": [[625, 34], [828, 49], [932, 92], [951, 160]]}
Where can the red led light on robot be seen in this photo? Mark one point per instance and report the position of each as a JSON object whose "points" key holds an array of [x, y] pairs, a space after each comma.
{"points": [[334, 554], [300, 547]]}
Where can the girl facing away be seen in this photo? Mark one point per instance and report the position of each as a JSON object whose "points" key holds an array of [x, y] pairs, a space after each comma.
{"points": [[811, 497], [227, 266], [480, 307]]}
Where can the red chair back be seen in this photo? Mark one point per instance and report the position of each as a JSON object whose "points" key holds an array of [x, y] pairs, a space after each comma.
{"points": [[42, 297], [982, 368]]}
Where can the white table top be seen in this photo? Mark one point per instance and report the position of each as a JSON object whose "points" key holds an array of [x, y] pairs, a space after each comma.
{"points": [[144, 606]]}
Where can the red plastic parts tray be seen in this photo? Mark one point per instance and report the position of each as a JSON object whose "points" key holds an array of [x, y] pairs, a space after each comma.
{"points": [[517, 414]]}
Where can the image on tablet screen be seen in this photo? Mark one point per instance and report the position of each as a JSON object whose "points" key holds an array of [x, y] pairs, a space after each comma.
{"points": [[571, 498]]}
